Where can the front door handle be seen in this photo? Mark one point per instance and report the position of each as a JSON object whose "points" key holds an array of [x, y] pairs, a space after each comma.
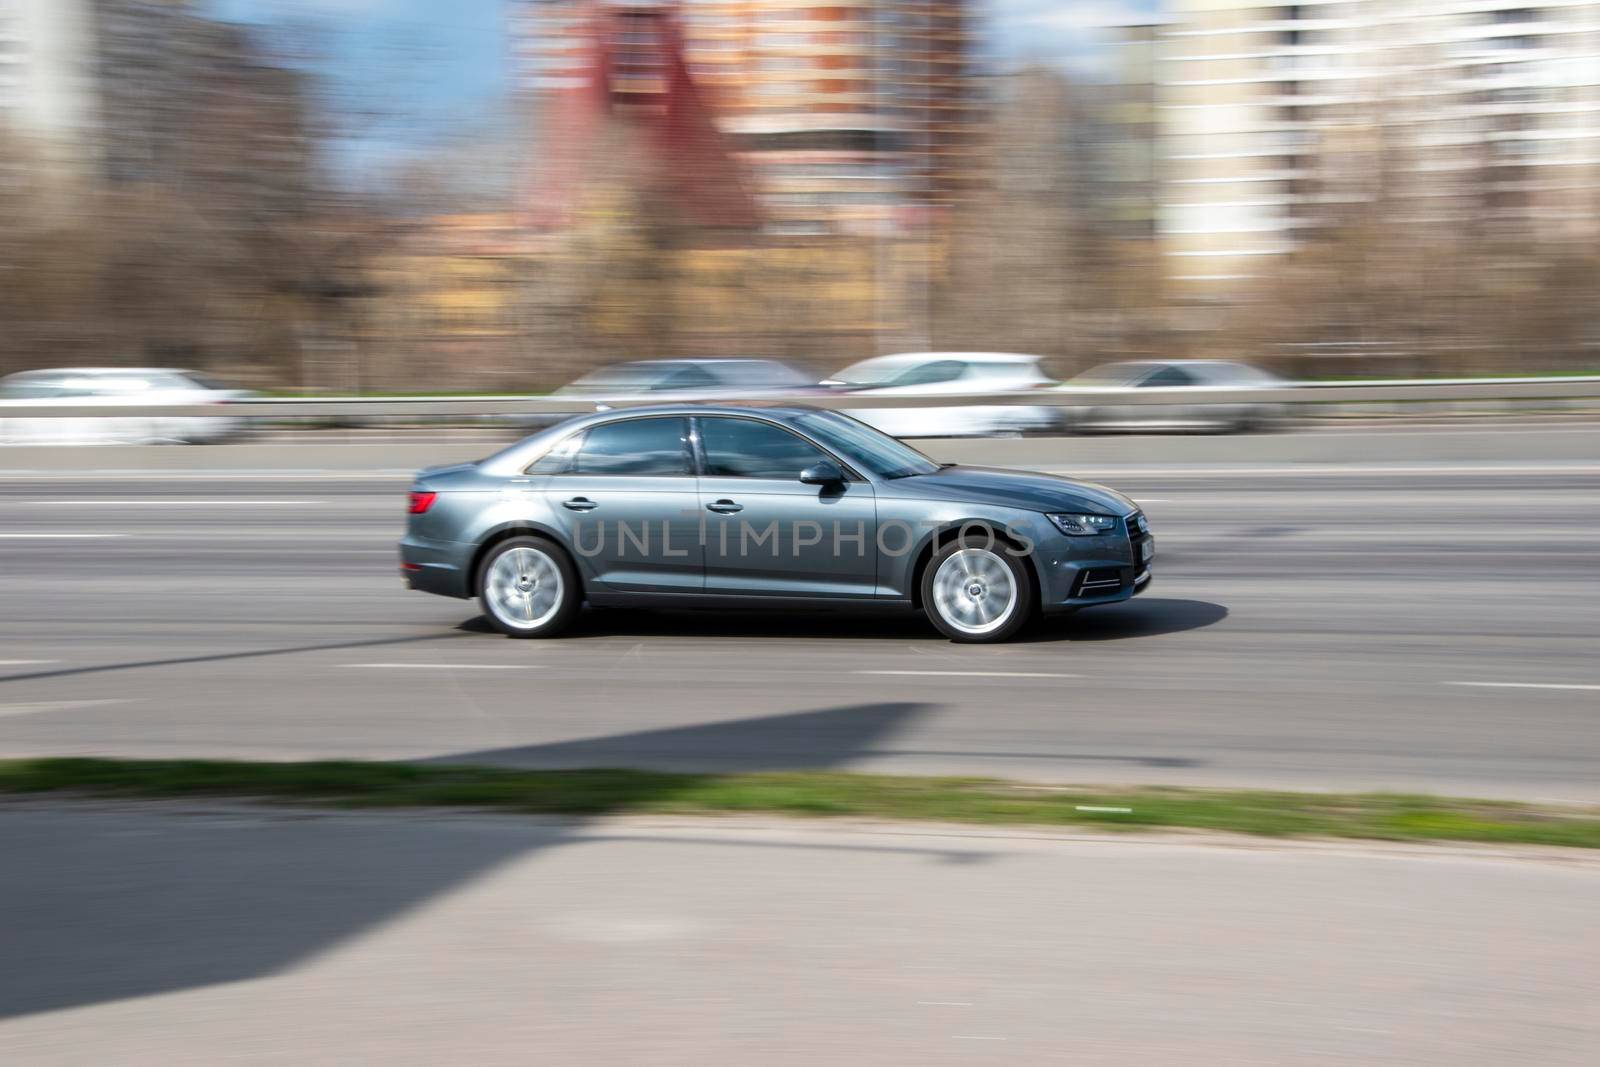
{"points": [[579, 503], [725, 507]]}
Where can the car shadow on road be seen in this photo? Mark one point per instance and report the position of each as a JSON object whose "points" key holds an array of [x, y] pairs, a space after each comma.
{"points": [[1144, 617], [106, 902]]}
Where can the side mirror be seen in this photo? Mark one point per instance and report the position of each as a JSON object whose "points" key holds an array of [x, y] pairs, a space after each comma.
{"points": [[824, 472]]}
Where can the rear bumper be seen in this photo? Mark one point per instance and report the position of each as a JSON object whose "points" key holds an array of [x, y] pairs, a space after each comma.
{"points": [[435, 567]]}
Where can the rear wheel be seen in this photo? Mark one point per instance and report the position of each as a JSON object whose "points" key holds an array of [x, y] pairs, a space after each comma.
{"points": [[528, 588], [975, 590]]}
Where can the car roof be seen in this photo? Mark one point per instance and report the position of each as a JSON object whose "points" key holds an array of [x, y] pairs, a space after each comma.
{"points": [[91, 372]]}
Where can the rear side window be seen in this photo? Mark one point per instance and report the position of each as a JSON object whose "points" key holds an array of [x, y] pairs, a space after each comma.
{"points": [[690, 377], [744, 448], [558, 460], [1169, 376], [638, 447]]}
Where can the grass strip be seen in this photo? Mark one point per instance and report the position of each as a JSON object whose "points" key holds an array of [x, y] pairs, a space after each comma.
{"points": [[989, 801]]}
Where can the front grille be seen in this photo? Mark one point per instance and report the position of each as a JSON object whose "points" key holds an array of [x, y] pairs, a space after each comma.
{"points": [[1138, 533], [1138, 530]]}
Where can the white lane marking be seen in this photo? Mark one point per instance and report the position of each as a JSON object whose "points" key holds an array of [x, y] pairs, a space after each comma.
{"points": [[1523, 685], [155, 474], [37, 707], [227, 501], [1310, 469], [975, 674], [59, 536], [448, 666], [25, 662], [1097, 808]]}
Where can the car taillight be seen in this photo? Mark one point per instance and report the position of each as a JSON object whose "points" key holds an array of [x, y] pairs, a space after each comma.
{"points": [[421, 502]]}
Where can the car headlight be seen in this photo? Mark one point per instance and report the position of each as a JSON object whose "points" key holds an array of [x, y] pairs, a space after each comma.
{"points": [[1083, 525]]}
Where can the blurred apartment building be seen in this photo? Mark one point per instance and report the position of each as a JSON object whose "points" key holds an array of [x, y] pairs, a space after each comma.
{"points": [[124, 91], [46, 95], [843, 115], [1276, 119]]}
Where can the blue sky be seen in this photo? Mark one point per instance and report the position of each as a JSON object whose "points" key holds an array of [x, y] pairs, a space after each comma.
{"points": [[434, 65]]}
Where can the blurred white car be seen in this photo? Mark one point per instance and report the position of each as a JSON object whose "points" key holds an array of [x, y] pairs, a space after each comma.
{"points": [[1106, 385], [122, 392], [932, 374]]}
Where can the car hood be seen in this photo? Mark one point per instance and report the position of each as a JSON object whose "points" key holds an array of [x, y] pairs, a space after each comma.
{"points": [[1015, 489]]}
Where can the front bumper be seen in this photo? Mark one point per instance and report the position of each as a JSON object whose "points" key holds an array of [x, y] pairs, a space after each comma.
{"points": [[1107, 569]]}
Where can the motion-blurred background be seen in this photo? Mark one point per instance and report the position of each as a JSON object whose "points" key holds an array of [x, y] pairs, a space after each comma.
{"points": [[407, 196]]}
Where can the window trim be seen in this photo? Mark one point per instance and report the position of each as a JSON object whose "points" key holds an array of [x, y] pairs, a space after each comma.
{"points": [[698, 443]]}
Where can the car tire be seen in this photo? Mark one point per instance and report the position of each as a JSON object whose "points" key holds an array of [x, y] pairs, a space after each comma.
{"points": [[529, 588], [977, 590]]}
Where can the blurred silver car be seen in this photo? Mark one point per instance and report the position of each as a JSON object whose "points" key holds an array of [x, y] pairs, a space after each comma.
{"points": [[1105, 410], [932, 374], [122, 392], [708, 378], [704, 378]]}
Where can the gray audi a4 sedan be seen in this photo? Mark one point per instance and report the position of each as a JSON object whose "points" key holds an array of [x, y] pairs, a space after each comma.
{"points": [[735, 507]]}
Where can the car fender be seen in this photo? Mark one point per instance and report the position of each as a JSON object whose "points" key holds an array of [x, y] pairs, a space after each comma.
{"points": [[897, 569], [511, 517]]}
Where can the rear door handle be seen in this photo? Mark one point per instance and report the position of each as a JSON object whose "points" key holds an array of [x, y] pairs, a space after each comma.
{"points": [[725, 507], [579, 503]]}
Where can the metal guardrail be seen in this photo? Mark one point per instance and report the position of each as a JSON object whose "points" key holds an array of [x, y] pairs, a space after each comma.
{"points": [[1399, 391]]}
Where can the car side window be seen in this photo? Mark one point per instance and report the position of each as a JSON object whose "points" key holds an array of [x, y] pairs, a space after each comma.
{"points": [[745, 448], [636, 447], [942, 370], [1167, 376]]}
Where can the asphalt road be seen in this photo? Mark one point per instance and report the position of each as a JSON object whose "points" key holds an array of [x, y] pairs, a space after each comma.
{"points": [[206, 934], [1388, 620]]}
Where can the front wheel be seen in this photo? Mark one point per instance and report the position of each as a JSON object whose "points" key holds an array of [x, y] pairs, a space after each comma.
{"points": [[528, 588], [976, 590]]}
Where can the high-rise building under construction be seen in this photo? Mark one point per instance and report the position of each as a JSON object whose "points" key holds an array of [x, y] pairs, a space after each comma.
{"points": [[849, 115]]}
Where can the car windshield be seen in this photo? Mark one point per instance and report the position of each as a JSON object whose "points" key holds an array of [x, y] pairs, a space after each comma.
{"points": [[628, 374], [30, 388], [204, 381], [1235, 374], [874, 372], [1113, 374], [875, 452]]}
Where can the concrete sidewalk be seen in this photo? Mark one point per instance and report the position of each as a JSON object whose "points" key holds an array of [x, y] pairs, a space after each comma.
{"points": [[198, 933]]}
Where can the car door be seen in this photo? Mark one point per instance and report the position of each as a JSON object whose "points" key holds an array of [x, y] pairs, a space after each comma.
{"points": [[769, 534], [625, 498], [1172, 414]]}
